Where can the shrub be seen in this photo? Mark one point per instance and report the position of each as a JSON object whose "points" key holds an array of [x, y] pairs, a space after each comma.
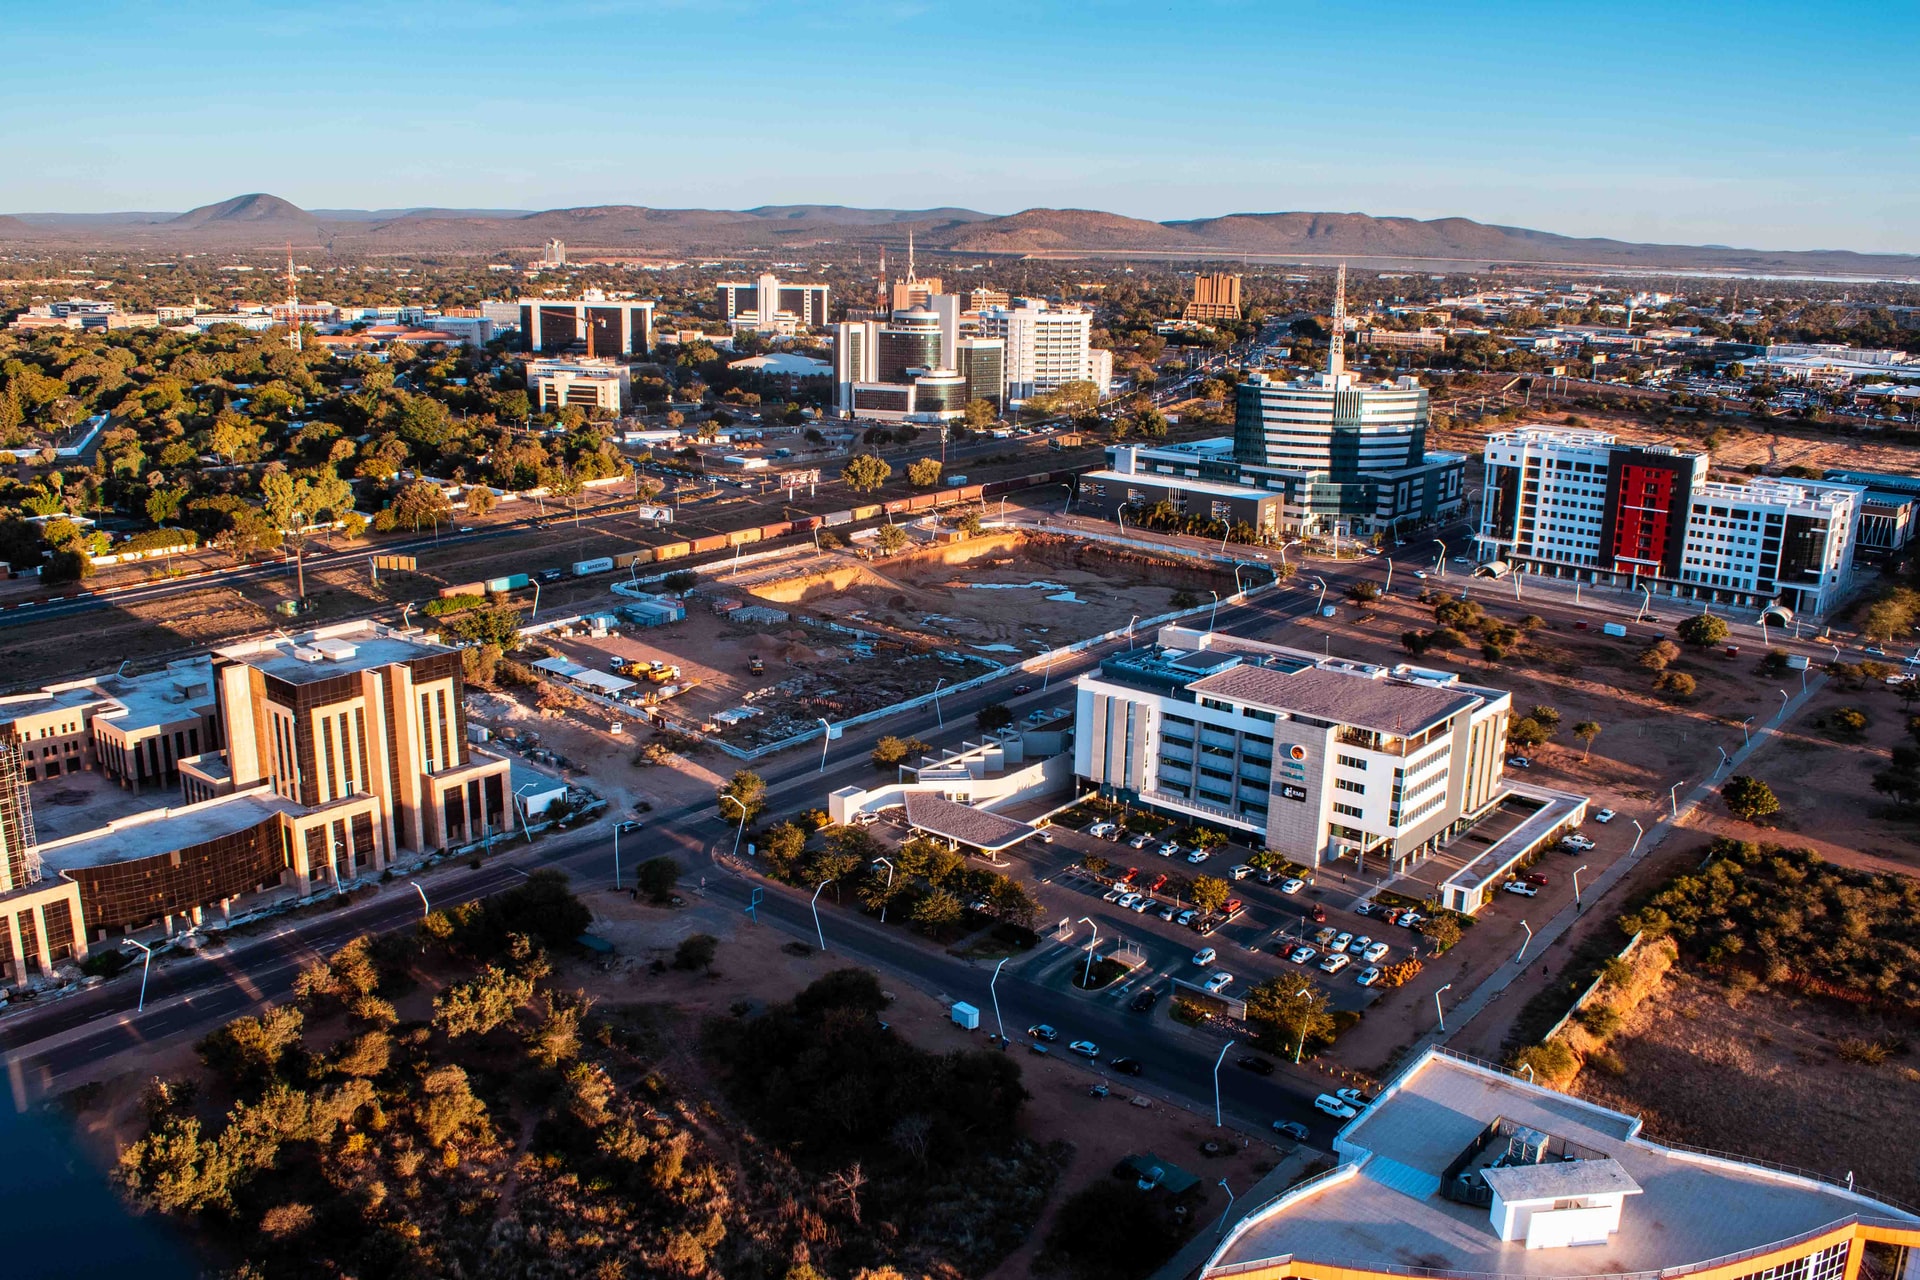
{"points": [[1601, 1020], [657, 878], [696, 952], [1553, 1062], [1702, 630], [1676, 684], [1749, 799], [1849, 720]]}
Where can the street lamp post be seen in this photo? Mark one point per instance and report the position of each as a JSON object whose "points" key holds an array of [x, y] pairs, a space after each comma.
{"points": [[1300, 1044], [817, 932], [1638, 832], [1784, 699], [1322, 582], [1724, 760], [743, 824], [1388, 589], [426, 908], [1521, 954], [995, 997], [939, 715], [1745, 737], [1576, 885], [826, 736], [1216, 1080], [883, 905], [1216, 610], [145, 967], [1440, 564], [1229, 1209], [1438, 1011], [1130, 621], [1673, 801], [616, 857], [1088, 976]]}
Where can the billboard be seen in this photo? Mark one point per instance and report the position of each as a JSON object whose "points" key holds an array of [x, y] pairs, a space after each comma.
{"points": [[659, 515]]}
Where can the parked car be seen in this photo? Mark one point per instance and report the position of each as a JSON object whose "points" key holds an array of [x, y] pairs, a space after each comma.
{"points": [[1368, 977], [1341, 941], [1353, 1097], [1101, 830], [1375, 953], [1127, 900], [1326, 935], [1408, 919], [1188, 916], [1334, 1107], [631, 824], [1170, 849], [1085, 1048], [1293, 884], [1576, 842], [1041, 1031], [1170, 912], [1604, 816], [1335, 963], [1113, 895], [1270, 875], [1144, 1001], [1219, 982], [1256, 1064], [1301, 955], [1241, 871], [1140, 841], [1132, 874], [1522, 888], [1293, 1128], [1127, 1066], [1205, 956], [1519, 762], [1157, 883], [1536, 879], [1144, 905], [1198, 856]]}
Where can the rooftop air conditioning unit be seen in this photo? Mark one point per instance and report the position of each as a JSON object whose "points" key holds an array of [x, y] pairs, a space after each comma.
{"points": [[1526, 1146]]}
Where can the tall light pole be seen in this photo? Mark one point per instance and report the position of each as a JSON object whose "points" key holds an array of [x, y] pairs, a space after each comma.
{"points": [[1229, 1209], [1216, 610], [1745, 737], [1130, 621], [1673, 800], [1521, 954], [1438, 1011], [1322, 582], [995, 997], [1216, 1080], [144, 969], [1724, 760], [1388, 589], [743, 823], [939, 715], [1440, 564], [616, 857], [1088, 976], [1638, 831], [883, 905], [817, 933], [535, 615], [1300, 1044], [826, 736], [1784, 699], [1576, 884]]}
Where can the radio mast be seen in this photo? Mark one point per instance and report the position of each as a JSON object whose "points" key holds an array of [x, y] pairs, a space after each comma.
{"points": [[293, 304]]}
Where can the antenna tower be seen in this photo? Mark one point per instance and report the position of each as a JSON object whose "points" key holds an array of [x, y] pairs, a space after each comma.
{"points": [[1337, 343], [293, 304]]}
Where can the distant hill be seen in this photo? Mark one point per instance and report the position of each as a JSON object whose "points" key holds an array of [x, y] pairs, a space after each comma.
{"points": [[258, 220]]}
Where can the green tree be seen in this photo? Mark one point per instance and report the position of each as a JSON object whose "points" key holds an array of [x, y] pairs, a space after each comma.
{"points": [[992, 717], [421, 503], [1288, 1012], [890, 752], [1658, 655], [1587, 731], [251, 1048], [923, 473], [937, 909], [696, 951], [1892, 614], [1441, 929], [980, 414], [782, 846], [1209, 893], [479, 500], [481, 1004], [1702, 630], [1363, 592], [746, 790], [1676, 684], [865, 472], [1749, 799], [1527, 733], [658, 877], [891, 539]]}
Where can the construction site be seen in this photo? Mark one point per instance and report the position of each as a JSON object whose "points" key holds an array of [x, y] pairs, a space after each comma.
{"points": [[772, 650]]}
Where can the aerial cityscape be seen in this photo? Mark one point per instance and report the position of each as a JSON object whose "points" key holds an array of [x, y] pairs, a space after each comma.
{"points": [[1001, 716]]}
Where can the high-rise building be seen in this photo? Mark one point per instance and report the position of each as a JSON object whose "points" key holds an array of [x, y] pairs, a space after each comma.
{"points": [[983, 363], [768, 304], [1215, 297], [907, 370], [983, 298], [596, 324], [1047, 347], [855, 354], [1476, 1172], [908, 343]]}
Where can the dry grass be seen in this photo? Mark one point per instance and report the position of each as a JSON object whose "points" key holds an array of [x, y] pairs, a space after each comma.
{"points": [[1770, 1075]]}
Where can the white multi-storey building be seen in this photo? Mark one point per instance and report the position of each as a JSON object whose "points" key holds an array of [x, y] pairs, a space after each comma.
{"points": [[1047, 347], [1316, 758], [1791, 541], [591, 383]]}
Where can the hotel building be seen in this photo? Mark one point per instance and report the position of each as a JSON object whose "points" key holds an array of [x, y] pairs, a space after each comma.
{"points": [[771, 305]]}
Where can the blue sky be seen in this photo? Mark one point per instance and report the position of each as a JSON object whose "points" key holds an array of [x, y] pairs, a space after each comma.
{"points": [[1762, 124]]}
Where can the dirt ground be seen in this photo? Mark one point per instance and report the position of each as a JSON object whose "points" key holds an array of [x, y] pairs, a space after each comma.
{"points": [[754, 965], [1701, 1069]]}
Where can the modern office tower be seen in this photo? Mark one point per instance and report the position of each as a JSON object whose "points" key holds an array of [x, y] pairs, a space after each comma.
{"points": [[855, 353], [595, 324], [554, 255], [983, 298], [771, 305], [591, 383], [908, 342], [983, 363], [1215, 297], [1579, 504], [1047, 347]]}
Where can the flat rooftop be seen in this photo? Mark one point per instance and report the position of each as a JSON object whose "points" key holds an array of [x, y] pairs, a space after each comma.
{"points": [[83, 800], [1390, 1215], [331, 651], [962, 822], [157, 831], [1368, 702]]}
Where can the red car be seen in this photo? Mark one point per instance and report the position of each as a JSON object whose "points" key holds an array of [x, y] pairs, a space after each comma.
{"points": [[1233, 905], [1157, 882], [1129, 877], [1536, 878]]}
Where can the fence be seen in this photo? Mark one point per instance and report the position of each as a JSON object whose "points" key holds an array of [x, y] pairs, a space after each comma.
{"points": [[1588, 994]]}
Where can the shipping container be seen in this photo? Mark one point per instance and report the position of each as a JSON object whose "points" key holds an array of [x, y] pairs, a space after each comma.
{"points": [[714, 542], [895, 507], [671, 551], [1614, 629], [973, 493], [778, 529], [865, 513], [627, 559], [924, 502], [807, 524], [1796, 662], [599, 564], [739, 536], [512, 582], [835, 518], [464, 589]]}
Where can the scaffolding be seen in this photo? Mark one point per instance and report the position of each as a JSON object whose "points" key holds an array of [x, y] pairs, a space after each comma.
{"points": [[17, 843]]}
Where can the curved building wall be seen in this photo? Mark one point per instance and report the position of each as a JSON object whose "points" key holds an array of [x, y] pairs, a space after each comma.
{"points": [[1342, 431], [126, 895]]}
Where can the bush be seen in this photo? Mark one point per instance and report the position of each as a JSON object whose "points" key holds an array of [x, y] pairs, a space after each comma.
{"points": [[1702, 630], [1676, 684], [1112, 1230], [1849, 720], [1749, 799], [1553, 1063], [657, 878], [696, 952], [1601, 1020]]}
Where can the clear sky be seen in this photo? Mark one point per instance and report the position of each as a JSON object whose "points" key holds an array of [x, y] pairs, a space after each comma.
{"points": [[1760, 124]]}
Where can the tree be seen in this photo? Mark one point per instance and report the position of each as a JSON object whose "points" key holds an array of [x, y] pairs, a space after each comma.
{"points": [[1013, 903], [1288, 1011], [1209, 893], [1892, 614], [980, 414], [1702, 630], [923, 473], [1848, 720], [248, 1049], [696, 952], [891, 539], [1676, 684], [890, 751], [421, 503], [1587, 731], [938, 908], [1441, 929], [658, 877], [992, 717], [1527, 733], [1363, 592], [865, 472], [1657, 656], [481, 1004], [479, 500], [1749, 799], [1546, 715], [745, 790]]}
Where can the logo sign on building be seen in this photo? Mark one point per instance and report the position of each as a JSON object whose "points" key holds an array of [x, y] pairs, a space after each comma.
{"points": [[1291, 792]]}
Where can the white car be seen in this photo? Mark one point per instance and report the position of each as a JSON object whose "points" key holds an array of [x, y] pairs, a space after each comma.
{"points": [[1302, 955], [1198, 856], [1334, 1107], [1219, 982], [1368, 977], [1353, 1097], [1341, 942], [1113, 894], [1241, 872], [1408, 919], [1127, 900], [1169, 912], [1360, 944], [1335, 963], [1170, 849], [1101, 830], [1293, 884], [1144, 905], [1578, 843], [1140, 841], [1085, 1048], [1522, 888], [1205, 956], [1375, 953], [1604, 816]]}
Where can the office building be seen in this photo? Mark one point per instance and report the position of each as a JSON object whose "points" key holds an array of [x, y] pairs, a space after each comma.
{"points": [[981, 299], [909, 343], [983, 363], [1402, 340], [768, 304], [1458, 1169], [913, 292], [855, 359], [1888, 511], [595, 325], [1315, 758], [1046, 347], [908, 370], [1581, 505], [1215, 297], [300, 762], [591, 383]]}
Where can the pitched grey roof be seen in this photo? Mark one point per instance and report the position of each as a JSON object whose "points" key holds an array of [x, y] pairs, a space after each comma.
{"points": [[970, 826], [1386, 705]]}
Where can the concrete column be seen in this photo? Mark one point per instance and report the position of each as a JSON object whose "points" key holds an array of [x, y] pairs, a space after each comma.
{"points": [[197, 915], [226, 910], [40, 936], [13, 937]]}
